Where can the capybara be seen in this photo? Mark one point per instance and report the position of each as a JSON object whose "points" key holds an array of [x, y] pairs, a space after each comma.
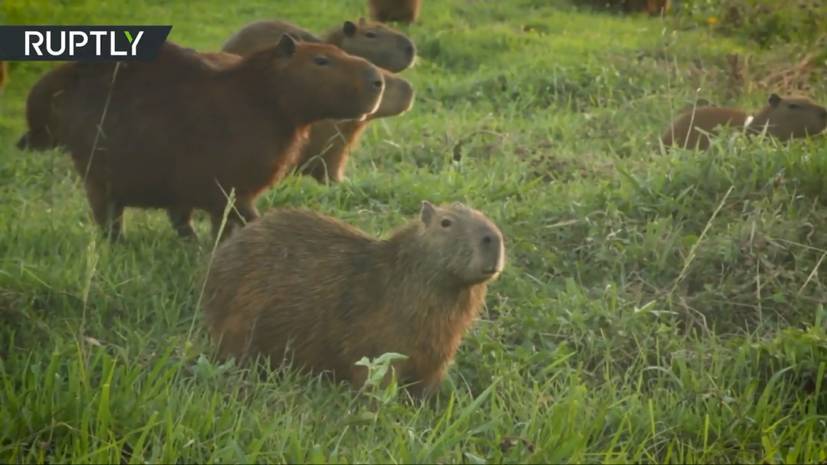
{"points": [[405, 11], [305, 288], [180, 133], [784, 118], [326, 152], [375, 42], [4, 74], [653, 7]]}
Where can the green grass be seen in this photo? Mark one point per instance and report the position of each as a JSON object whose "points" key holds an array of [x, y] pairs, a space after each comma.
{"points": [[656, 307]]}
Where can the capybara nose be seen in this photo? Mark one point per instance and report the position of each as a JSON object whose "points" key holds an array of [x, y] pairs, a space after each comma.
{"points": [[824, 114], [375, 80], [410, 50]]}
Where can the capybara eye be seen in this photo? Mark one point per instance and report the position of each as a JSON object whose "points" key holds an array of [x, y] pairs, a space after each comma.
{"points": [[370, 35], [446, 223], [321, 60]]}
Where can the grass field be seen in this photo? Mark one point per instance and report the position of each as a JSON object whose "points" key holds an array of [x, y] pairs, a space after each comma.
{"points": [[658, 307]]}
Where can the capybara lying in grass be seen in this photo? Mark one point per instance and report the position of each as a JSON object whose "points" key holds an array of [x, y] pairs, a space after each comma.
{"points": [[328, 147], [377, 43], [405, 11], [180, 133], [784, 118], [306, 288]]}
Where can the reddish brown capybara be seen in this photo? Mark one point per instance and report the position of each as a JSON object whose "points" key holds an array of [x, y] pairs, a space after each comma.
{"points": [[303, 287], [783, 118], [653, 7], [404, 11], [327, 150], [377, 43], [4, 74], [180, 134], [325, 153]]}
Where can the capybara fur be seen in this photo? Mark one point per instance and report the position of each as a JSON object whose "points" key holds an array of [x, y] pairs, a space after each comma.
{"points": [[783, 118], [4, 74], [327, 150], [404, 11], [375, 42], [180, 133], [310, 290]]}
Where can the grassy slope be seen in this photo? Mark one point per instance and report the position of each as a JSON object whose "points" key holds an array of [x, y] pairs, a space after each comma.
{"points": [[656, 307]]}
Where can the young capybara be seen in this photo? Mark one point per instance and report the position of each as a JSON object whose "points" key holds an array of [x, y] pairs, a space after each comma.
{"points": [[405, 11], [306, 288], [377, 43], [327, 150], [783, 118], [180, 134]]}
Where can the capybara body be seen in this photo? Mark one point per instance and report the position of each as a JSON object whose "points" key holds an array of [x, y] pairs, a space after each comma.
{"points": [[783, 118], [306, 288], [180, 133], [405, 11], [377, 43], [325, 154]]}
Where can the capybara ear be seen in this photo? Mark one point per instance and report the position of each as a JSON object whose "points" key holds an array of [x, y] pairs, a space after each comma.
{"points": [[427, 212], [286, 46], [349, 28], [774, 100]]}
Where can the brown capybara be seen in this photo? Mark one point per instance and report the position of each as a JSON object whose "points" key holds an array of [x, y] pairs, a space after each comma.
{"points": [[784, 118], [377, 43], [180, 134], [653, 7], [325, 154], [309, 289], [404, 11]]}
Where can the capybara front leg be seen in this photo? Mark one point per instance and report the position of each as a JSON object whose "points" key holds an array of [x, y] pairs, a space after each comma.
{"points": [[107, 211], [181, 219]]}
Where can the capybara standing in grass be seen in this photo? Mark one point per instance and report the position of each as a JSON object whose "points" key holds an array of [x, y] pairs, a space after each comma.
{"points": [[179, 133], [305, 288], [783, 118], [377, 43], [325, 154], [405, 11]]}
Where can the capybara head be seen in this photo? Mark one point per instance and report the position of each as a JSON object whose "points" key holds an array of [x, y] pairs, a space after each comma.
{"points": [[321, 81], [397, 99], [790, 117], [466, 245], [377, 43]]}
